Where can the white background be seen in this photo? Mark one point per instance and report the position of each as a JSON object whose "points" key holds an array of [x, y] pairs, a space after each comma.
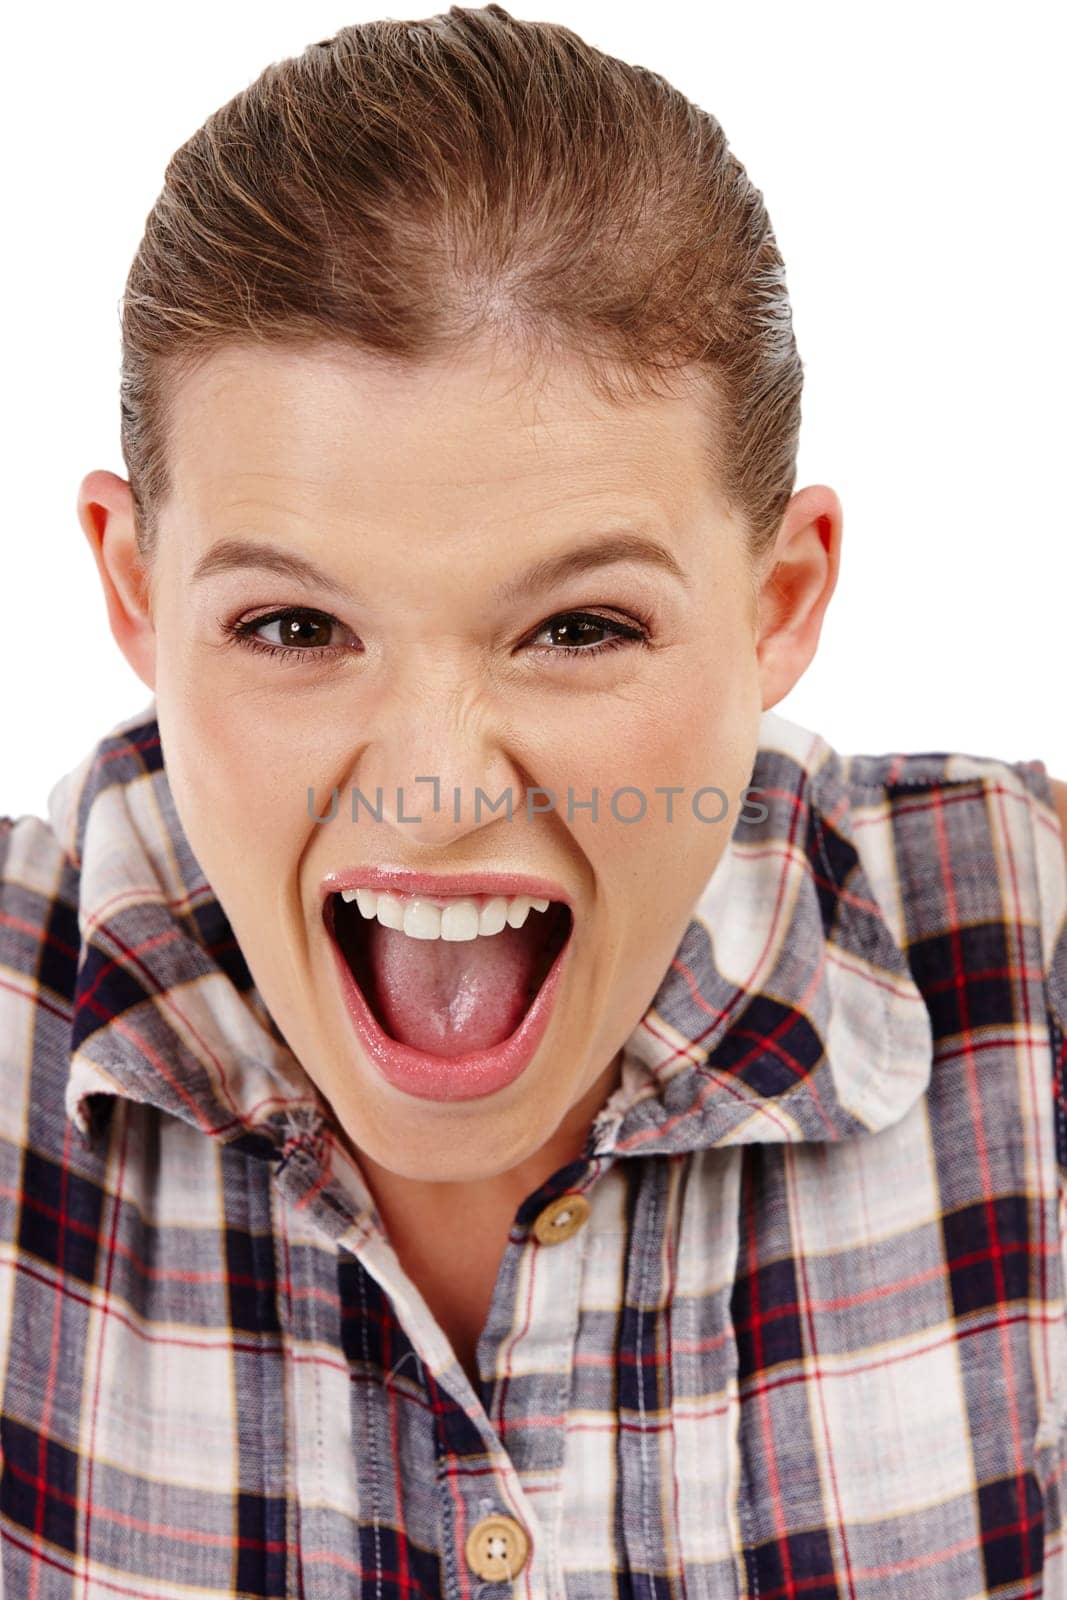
{"points": [[911, 156]]}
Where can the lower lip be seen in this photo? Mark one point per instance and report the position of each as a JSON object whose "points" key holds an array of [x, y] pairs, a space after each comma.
{"points": [[469, 1077]]}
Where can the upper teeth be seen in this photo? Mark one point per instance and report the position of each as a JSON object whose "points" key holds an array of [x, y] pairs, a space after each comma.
{"points": [[421, 918]]}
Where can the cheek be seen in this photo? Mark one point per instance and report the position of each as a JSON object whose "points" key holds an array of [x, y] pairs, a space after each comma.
{"points": [[650, 872], [241, 803], [695, 731]]}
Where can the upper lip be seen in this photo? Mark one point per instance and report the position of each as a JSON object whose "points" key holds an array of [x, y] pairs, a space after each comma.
{"points": [[403, 881]]}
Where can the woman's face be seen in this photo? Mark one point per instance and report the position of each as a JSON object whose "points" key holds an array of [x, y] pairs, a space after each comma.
{"points": [[440, 641]]}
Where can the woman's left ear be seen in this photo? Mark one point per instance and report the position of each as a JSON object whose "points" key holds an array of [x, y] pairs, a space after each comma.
{"points": [[800, 576], [106, 513]]}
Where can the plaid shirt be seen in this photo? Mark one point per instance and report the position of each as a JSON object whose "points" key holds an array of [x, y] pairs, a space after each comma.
{"points": [[809, 1340]]}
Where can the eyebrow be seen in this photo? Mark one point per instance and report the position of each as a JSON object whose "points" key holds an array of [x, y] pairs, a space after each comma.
{"points": [[232, 553], [605, 552]]}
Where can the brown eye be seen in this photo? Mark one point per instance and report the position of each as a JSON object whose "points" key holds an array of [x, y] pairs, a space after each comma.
{"points": [[293, 631], [583, 633], [298, 628], [294, 635], [578, 630]]}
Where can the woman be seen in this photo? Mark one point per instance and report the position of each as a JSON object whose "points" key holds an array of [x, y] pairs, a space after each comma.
{"points": [[488, 1102]]}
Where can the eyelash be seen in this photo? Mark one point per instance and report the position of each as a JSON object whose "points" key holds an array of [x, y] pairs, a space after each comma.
{"points": [[243, 634]]}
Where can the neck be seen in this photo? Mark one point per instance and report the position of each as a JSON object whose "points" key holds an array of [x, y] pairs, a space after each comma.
{"points": [[418, 1207]]}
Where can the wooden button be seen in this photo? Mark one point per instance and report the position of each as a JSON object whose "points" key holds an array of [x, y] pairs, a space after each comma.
{"points": [[560, 1218], [497, 1548]]}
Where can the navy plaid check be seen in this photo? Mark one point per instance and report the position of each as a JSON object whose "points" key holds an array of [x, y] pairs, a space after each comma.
{"points": [[810, 1342]]}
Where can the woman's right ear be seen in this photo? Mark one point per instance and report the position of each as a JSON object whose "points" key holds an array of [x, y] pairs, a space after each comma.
{"points": [[106, 513]]}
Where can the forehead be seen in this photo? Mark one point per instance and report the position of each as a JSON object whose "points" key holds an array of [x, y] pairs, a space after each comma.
{"points": [[334, 423]]}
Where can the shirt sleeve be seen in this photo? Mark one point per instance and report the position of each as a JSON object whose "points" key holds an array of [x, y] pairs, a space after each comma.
{"points": [[1050, 865], [1050, 875]]}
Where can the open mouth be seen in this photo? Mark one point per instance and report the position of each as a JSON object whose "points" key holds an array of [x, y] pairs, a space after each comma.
{"points": [[451, 998]]}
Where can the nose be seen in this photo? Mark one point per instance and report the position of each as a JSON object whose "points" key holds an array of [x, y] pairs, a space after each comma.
{"points": [[437, 750]]}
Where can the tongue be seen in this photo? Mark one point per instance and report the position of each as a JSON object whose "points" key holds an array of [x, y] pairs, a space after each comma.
{"points": [[450, 997]]}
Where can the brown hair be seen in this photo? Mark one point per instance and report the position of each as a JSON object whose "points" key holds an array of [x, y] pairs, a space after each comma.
{"points": [[405, 187]]}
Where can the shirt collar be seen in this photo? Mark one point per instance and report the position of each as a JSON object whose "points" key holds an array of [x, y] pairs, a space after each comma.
{"points": [[788, 1013]]}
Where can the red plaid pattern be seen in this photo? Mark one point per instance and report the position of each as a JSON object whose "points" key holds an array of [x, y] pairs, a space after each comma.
{"points": [[810, 1343]]}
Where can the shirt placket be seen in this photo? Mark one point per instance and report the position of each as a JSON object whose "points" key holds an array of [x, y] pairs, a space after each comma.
{"points": [[485, 1525], [526, 1356], [500, 1451]]}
